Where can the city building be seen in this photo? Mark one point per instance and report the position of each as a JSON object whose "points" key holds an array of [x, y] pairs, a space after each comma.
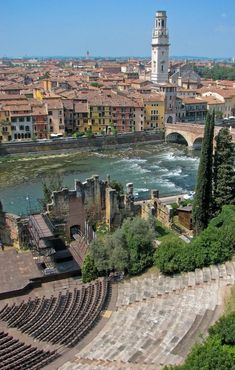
{"points": [[154, 111], [192, 110]]}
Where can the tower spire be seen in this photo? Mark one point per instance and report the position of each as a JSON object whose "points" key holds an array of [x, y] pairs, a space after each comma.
{"points": [[160, 48]]}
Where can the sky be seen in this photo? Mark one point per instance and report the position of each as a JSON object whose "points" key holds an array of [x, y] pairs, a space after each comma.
{"points": [[110, 28]]}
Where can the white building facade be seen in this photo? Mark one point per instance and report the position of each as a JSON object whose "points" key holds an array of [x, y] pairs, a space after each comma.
{"points": [[160, 49]]}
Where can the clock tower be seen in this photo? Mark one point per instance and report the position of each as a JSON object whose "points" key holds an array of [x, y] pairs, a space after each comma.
{"points": [[160, 49]]}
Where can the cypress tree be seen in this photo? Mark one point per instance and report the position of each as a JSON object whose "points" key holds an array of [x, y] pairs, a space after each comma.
{"points": [[224, 174], [202, 205]]}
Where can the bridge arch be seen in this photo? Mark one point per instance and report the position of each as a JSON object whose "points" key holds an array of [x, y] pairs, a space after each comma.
{"points": [[197, 144], [175, 137]]}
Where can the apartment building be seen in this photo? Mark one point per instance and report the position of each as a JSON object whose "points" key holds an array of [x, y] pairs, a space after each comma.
{"points": [[192, 110], [55, 110], [41, 129], [226, 97], [21, 121], [154, 111]]}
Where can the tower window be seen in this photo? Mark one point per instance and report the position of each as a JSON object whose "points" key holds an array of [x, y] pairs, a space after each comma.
{"points": [[163, 23], [162, 67]]}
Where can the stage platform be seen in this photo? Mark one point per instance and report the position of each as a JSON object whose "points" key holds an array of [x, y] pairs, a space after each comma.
{"points": [[16, 270]]}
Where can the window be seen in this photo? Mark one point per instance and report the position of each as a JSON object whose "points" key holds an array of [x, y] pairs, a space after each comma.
{"points": [[26, 128], [49, 113], [21, 127], [21, 119], [28, 119]]}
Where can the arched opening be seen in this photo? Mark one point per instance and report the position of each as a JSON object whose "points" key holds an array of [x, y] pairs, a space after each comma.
{"points": [[170, 119], [197, 143], [174, 137], [74, 230]]}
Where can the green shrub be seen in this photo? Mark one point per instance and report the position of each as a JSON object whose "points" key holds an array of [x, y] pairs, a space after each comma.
{"points": [[214, 245], [89, 270], [225, 329], [170, 255], [128, 249]]}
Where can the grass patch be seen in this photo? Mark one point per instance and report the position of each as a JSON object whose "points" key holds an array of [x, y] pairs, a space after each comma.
{"points": [[229, 304], [162, 232]]}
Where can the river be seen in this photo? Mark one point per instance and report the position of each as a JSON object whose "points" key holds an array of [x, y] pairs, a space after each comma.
{"points": [[169, 168]]}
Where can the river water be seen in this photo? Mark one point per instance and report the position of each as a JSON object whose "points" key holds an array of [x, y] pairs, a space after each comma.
{"points": [[169, 168]]}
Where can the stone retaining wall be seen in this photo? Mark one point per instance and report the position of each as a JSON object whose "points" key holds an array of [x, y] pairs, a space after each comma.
{"points": [[81, 143]]}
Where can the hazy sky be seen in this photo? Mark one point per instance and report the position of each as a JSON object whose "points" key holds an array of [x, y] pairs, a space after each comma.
{"points": [[114, 27]]}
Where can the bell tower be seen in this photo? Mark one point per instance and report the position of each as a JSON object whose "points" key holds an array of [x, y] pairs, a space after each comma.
{"points": [[160, 48]]}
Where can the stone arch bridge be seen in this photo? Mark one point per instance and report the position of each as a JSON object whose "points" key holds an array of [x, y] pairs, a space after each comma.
{"points": [[190, 134]]}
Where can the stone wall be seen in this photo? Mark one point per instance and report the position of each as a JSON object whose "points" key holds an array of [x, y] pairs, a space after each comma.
{"points": [[9, 228], [82, 144], [164, 212], [94, 201]]}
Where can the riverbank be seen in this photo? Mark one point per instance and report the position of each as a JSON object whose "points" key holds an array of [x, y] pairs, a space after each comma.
{"points": [[82, 144]]}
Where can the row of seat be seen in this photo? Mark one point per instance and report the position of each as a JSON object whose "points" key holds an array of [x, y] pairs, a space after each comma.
{"points": [[61, 319], [157, 320], [15, 355], [136, 289]]}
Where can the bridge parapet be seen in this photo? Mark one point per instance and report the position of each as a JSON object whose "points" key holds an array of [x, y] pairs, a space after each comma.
{"points": [[190, 132]]}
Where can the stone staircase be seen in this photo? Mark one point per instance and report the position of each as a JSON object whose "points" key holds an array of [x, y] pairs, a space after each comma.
{"points": [[157, 320]]}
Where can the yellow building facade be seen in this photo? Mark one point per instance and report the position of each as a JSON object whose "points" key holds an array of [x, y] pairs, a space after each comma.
{"points": [[154, 111]]}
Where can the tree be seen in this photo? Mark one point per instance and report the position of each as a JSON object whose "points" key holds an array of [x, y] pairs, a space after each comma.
{"points": [[119, 251], [202, 205], [225, 329], [89, 270], [224, 174], [210, 355], [101, 253], [117, 186], [139, 237], [128, 249], [50, 184]]}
